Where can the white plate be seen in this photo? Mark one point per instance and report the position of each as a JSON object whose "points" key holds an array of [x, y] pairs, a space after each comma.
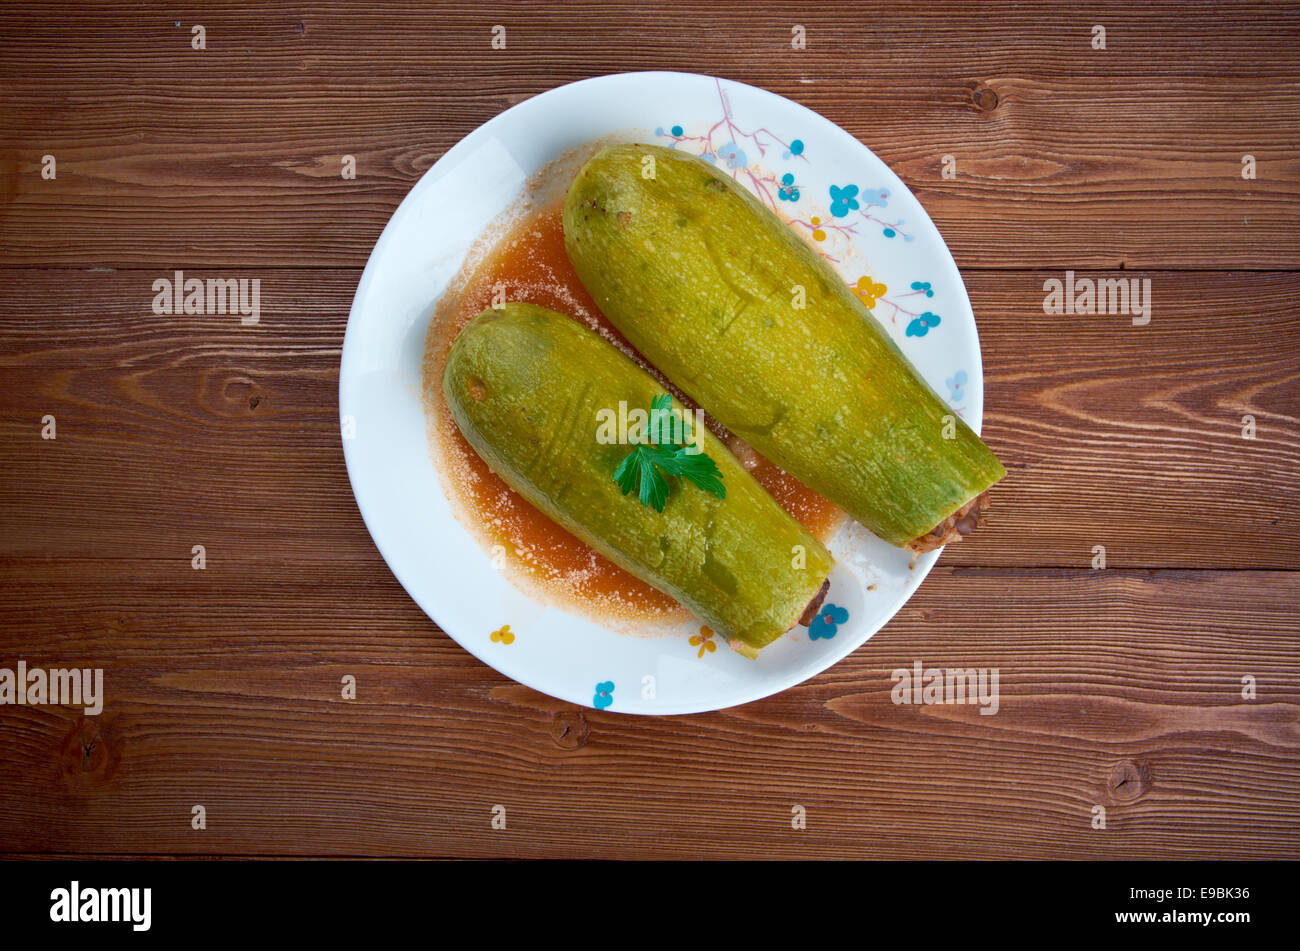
{"points": [[870, 225]]}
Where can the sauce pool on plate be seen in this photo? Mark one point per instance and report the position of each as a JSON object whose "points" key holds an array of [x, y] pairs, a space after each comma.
{"points": [[530, 264]]}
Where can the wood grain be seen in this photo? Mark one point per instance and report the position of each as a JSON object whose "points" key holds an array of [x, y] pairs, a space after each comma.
{"points": [[197, 430], [1119, 687], [1066, 156]]}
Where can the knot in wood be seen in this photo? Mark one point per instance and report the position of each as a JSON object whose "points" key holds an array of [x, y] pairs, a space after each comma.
{"points": [[1129, 780], [569, 729], [986, 100]]}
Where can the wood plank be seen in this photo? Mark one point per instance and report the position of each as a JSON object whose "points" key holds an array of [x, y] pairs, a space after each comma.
{"points": [[175, 431], [1067, 156], [1117, 688]]}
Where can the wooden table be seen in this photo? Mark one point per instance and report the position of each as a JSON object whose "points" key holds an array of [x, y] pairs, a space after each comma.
{"points": [[1121, 687]]}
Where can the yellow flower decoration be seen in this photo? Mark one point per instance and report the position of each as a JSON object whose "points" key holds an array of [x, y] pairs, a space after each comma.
{"points": [[703, 641], [504, 635], [870, 291], [818, 233]]}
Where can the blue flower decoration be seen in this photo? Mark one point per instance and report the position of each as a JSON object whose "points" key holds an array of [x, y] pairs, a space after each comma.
{"points": [[923, 286], [888, 232], [827, 622], [710, 158], [843, 199], [955, 384], [876, 196], [733, 155], [676, 131], [796, 148], [788, 191], [921, 325], [604, 694]]}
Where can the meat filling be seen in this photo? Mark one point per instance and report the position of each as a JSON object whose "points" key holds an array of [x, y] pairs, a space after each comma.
{"points": [[953, 528]]}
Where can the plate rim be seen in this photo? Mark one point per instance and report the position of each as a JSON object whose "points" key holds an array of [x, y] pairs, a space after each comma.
{"points": [[760, 689]]}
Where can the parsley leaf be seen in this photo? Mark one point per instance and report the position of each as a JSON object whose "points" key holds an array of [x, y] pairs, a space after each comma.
{"points": [[661, 420], [652, 468], [699, 469], [642, 467]]}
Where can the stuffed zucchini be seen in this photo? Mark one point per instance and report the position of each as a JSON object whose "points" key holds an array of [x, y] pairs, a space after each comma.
{"points": [[735, 309], [527, 388]]}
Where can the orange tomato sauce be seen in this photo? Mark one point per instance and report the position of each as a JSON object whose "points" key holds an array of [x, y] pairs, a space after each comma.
{"points": [[530, 264]]}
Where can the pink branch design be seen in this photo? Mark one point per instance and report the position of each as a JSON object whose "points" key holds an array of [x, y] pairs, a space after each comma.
{"points": [[894, 225]]}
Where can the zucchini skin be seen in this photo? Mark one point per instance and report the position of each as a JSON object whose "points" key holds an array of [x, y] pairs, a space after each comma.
{"points": [[700, 277], [525, 385]]}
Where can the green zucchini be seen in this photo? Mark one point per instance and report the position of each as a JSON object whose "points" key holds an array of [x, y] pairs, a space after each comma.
{"points": [[705, 282], [527, 385]]}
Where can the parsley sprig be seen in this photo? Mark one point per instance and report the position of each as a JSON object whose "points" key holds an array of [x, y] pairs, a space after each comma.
{"points": [[652, 468]]}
